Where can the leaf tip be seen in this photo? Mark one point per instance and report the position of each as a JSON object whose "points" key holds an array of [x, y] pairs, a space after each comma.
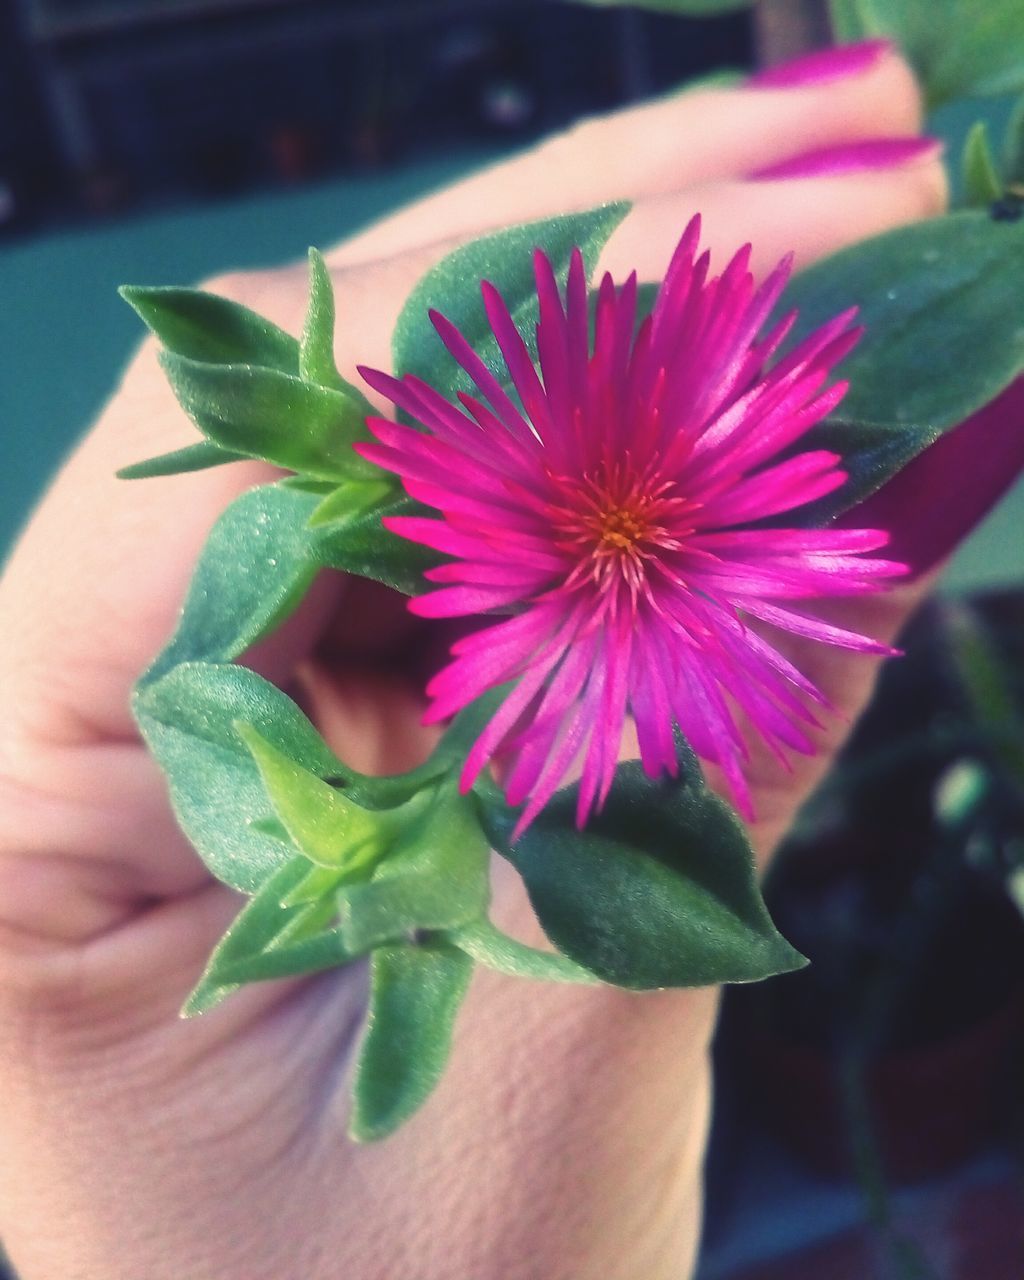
{"points": [[204, 998]]}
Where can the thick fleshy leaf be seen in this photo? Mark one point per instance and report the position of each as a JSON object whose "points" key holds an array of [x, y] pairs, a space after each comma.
{"points": [[940, 303], [194, 457], [435, 878], [959, 48], [254, 569], [316, 350], [506, 260], [188, 720], [415, 994], [685, 8], [982, 183], [362, 545], [659, 889], [202, 326], [489, 946], [267, 414]]}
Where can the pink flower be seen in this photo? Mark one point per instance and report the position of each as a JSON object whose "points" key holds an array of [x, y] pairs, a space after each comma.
{"points": [[612, 501]]}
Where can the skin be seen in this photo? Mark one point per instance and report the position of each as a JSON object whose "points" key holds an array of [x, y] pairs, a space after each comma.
{"points": [[567, 1137]]}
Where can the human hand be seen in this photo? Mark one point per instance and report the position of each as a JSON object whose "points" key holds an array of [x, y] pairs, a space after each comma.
{"points": [[567, 1136]]}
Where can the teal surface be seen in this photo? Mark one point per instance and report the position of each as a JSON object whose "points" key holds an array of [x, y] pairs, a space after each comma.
{"points": [[65, 335]]}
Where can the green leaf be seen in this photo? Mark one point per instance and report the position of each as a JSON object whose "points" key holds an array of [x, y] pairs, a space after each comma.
{"points": [[489, 946], [982, 183], [959, 48], [415, 994], [188, 719], [506, 260], [201, 326], [658, 890], [273, 826], [361, 545], [272, 415], [436, 878], [316, 350], [940, 303], [194, 457], [254, 569], [330, 829]]}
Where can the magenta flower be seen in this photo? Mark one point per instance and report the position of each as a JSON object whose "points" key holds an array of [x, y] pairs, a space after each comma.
{"points": [[612, 502]]}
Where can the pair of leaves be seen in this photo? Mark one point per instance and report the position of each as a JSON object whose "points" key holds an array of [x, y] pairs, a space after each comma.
{"points": [[959, 48]]}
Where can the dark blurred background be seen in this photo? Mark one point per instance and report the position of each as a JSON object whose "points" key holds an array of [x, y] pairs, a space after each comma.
{"points": [[108, 106]]}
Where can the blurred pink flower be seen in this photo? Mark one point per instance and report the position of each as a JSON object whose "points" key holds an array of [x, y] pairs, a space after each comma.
{"points": [[612, 500]]}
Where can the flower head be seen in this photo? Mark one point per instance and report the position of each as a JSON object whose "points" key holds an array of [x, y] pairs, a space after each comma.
{"points": [[608, 504]]}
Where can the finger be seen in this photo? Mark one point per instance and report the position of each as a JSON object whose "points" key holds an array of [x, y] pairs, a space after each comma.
{"points": [[697, 137]]}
